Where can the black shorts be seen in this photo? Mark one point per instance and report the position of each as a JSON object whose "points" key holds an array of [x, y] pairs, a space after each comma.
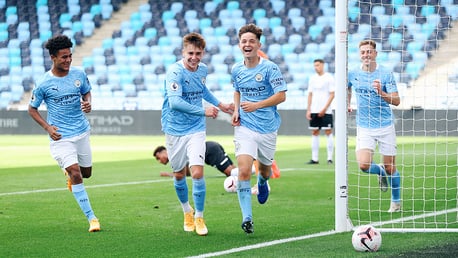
{"points": [[325, 122], [215, 156]]}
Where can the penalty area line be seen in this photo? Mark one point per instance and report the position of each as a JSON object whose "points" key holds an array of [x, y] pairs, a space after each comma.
{"points": [[265, 244]]}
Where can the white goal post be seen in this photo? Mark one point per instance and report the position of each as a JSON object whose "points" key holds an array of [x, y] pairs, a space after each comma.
{"points": [[426, 120]]}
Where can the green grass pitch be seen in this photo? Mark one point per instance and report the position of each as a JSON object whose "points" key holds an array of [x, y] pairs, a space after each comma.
{"points": [[141, 217]]}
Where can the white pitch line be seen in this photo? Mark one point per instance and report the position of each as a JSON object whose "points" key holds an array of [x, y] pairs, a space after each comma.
{"points": [[262, 245], [88, 186]]}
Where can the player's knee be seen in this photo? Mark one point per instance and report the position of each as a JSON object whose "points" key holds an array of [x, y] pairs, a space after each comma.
{"points": [[364, 167]]}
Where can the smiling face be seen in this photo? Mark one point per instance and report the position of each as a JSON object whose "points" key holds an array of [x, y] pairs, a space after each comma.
{"points": [[249, 44], [192, 56], [368, 55], [61, 62]]}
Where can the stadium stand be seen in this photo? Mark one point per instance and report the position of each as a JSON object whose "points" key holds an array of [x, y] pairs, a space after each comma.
{"points": [[131, 64]]}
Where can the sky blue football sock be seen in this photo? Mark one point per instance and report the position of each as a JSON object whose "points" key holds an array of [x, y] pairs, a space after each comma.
{"points": [[181, 188], [261, 179], [244, 194], [83, 200], [375, 169], [198, 193], [395, 181]]}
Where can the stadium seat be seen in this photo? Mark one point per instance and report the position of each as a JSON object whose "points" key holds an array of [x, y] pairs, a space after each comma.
{"points": [[353, 13], [298, 22], [427, 10], [378, 10], [314, 31], [259, 13], [274, 22], [395, 39], [277, 6]]}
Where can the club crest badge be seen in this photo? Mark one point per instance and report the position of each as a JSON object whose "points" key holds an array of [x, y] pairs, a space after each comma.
{"points": [[203, 80], [77, 83], [258, 77]]}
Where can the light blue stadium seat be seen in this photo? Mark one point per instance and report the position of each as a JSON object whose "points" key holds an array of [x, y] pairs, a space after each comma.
{"points": [[192, 24], [279, 32], [383, 20], [209, 7], [402, 9], [428, 28], [420, 57], [259, 13], [277, 5], [325, 47], [395, 39], [169, 59], [11, 10], [167, 15], [378, 10], [311, 48], [274, 22], [294, 12], [315, 31], [414, 68], [190, 14], [414, 47], [262, 22], [396, 21], [433, 19], [220, 31], [353, 12], [88, 28], [150, 33], [88, 61], [427, 10], [287, 48], [232, 5], [452, 10], [274, 50], [172, 31], [95, 9], [208, 31], [297, 22], [107, 11], [176, 7], [295, 39], [204, 23], [329, 11], [145, 17], [291, 59], [171, 23], [237, 13], [325, 4], [17, 91], [3, 35]]}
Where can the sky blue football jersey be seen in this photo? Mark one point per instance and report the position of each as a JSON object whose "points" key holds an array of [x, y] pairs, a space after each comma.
{"points": [[62, 96], [256, 84], [372, 110], [182, 110]]}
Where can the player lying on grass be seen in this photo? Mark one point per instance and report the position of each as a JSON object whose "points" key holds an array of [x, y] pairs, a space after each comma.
{"points": [[215, 156]]}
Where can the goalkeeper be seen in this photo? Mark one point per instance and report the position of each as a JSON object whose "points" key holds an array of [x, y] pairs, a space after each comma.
{"points": [[375, 90], [215, 156]]}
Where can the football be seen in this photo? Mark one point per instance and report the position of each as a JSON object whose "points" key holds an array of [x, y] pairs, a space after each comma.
{"points": [[366, 238], [230, 184]]}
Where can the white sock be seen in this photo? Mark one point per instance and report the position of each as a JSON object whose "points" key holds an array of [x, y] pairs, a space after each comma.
{"points": [[315, 147], [186, 207]]}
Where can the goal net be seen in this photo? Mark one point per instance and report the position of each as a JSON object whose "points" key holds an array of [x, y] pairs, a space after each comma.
{"points": [[417, 41]]}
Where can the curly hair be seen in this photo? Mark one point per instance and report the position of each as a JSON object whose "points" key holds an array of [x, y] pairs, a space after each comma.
{"points": [[57, 43], [251, 28]]}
